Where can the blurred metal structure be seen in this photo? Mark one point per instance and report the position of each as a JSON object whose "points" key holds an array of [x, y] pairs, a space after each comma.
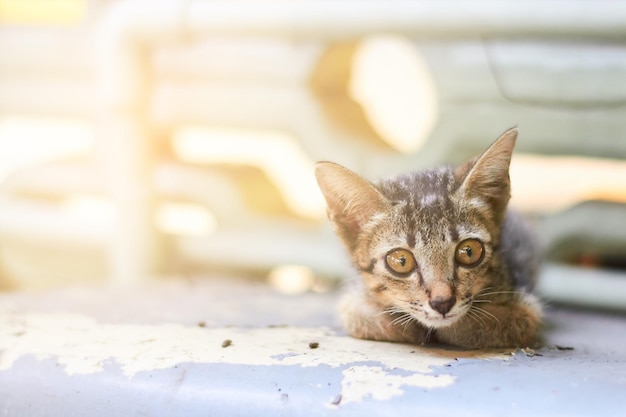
{"points": [[150, 74]]}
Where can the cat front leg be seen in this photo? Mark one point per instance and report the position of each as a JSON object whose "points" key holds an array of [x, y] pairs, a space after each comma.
{"points": [[366, 320], [513, 324]]}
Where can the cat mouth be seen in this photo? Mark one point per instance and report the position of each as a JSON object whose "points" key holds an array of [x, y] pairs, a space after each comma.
{"points": [[439, 320], [435, 319], [447, 318]]}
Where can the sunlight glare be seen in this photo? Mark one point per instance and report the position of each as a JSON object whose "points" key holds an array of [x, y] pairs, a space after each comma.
{"points": [[88, 208], [549, 184], [275, 152], [42, 12], [392, 83], [27, 141], [185, 219], [292, 279]]}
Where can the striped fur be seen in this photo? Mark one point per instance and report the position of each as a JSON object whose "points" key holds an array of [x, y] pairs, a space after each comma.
{"points": [[430, 213]]}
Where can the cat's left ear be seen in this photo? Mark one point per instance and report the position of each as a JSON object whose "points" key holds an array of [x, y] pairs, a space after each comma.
{"points": [[352, 200], [487, 177]]}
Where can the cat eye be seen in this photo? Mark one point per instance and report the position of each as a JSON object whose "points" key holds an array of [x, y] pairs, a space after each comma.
{"points": [[401, 261], [469, 252]]}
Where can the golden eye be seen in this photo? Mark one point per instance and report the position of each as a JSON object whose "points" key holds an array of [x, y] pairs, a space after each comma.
{"points": [[469, 252], [401, 261]]}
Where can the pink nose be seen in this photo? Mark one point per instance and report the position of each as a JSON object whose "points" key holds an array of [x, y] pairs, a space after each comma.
{"points": [[442, 305]]}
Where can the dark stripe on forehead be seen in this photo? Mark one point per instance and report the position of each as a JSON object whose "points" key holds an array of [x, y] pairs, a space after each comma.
{"points": [[409, 216], [410, 232], [485, 218], [410, 238], [454, 233]]}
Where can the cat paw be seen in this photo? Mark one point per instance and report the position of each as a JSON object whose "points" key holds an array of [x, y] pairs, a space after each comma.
{"points": [[364, 321]]}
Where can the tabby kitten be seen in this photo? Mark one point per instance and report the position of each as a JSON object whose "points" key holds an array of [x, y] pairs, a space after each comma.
{"points": [[440, 257]]}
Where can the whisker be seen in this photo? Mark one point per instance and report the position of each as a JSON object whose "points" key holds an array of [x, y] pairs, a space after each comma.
{"points": [[498, 292], [480, 314], [477, 309], [472, 315], [407, 319], [429, 333], [400, 320], [485, 312], [484, 289], [391, 311]]}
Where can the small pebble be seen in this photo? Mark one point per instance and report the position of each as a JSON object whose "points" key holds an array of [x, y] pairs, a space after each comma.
{"points": [[314, 345], [227, 343], [563, 347]]}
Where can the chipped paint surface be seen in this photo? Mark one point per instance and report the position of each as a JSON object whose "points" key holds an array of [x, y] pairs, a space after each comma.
{"points": [[360, 382], [82, 346]]}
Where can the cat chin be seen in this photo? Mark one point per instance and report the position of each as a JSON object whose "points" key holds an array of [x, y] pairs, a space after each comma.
{"points": [[439, 322]]}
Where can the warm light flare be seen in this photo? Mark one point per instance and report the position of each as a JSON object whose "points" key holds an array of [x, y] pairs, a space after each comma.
{"points": [[392, 83], [292, 279], [185, 219], [276, 153], [28, 141], [42, 11], [548, 184]]}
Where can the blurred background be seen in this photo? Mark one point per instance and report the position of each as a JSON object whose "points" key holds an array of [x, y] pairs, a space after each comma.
{"points": [[147, 139]]}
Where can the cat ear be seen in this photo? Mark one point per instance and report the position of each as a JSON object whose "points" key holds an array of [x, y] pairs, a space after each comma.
{"points": [[352, 200], [487, 177]]}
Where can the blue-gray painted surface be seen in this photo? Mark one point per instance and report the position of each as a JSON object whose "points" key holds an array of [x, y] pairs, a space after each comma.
{"points": [[585, 376], [558, 383]]}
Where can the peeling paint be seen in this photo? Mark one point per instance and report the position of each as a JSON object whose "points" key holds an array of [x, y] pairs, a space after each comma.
{"points": [[82, 346], [360, 382]]}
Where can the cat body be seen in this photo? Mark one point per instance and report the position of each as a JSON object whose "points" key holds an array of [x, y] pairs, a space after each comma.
{"points": [[439, 255]]}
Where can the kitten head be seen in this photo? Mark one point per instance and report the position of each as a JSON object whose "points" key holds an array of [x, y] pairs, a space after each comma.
{"points": [[425, 243]]}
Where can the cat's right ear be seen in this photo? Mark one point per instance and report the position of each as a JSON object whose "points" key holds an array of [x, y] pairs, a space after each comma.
{"points": [[487, 177], [352, 200]]}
